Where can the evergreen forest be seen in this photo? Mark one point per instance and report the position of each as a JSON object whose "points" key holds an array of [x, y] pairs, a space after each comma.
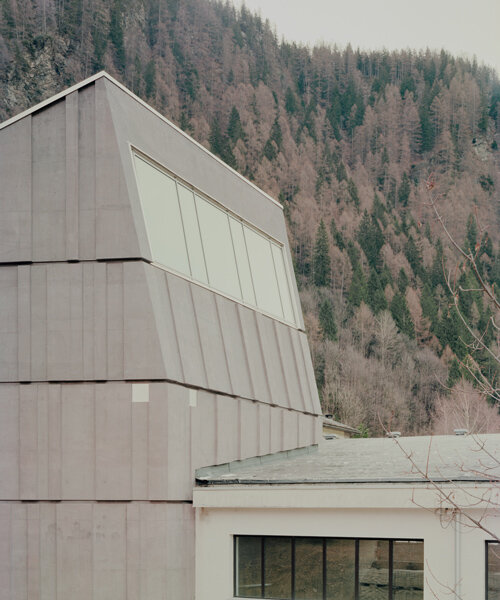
{"points": [[346, 141]]}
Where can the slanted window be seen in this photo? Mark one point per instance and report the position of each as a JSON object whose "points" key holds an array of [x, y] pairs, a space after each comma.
{"points": [[199, 239], [492, 571], [318, 568]]}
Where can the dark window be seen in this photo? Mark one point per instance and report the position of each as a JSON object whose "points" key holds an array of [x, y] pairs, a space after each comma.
{"points": [[316, 568], [492, 571]]}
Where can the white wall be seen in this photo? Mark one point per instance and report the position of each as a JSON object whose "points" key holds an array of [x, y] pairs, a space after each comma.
{"points": [[215, 528]]}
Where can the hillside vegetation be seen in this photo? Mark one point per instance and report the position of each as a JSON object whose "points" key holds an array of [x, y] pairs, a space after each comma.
{"points": [[346, 141]]}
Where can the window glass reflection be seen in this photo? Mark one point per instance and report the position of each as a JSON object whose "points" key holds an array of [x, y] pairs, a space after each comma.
{"points": [[493, 571], [248, 567], [277, 567], [408, 570], [373, 569], [308, 569], [340, 569]]}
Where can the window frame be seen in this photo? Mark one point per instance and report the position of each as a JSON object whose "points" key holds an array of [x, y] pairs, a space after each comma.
{"points": [[487, 545], [390, 592], [134, 150]]}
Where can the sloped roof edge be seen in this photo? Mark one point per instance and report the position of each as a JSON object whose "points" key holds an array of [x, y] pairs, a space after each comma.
{"points": [[105, 75]]}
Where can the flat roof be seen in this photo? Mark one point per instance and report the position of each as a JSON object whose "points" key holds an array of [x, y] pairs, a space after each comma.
{"points": [[467, 458]]}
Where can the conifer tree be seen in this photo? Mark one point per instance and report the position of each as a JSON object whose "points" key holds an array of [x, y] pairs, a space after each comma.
{"points": [[322, 270], [327, 320], [358, 289], [371, 239], [375, 293], [235, 129], [401, 315], [404, 190]]}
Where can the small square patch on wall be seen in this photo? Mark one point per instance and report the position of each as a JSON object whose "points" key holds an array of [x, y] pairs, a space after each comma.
{"points": [[193, 398], [140, 392]]}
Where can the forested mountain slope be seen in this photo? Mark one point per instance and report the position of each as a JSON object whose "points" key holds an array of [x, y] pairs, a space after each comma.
{"points": [[346, 141]]}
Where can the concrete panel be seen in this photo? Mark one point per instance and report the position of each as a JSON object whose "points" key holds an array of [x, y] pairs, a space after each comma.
{"points": [[18, 552], [38, 323], [78, 442], [5, 550], [86, 173], [302, 374], [290, 430], [143, 356], [272, 360], [140, 442], [164, 322], [187, 331], [64, 321], [49, 182], [99, 308], [34, 551], [8, 324], [180, 479], [48, 558], [9, 443], [89, 346], [109, 552], [316, 408], [264, 415], [254, 353], [28, 443], [43, 432], [115, 320], [276, 430], [228, 431], [15, 192], [115, 230], [54, 441], [234, 346], [249, 429], [289, 365], [212, 344], [113, 441], [158, 443], [203, 430], [24, 322], [71, 168], [74, 525]]}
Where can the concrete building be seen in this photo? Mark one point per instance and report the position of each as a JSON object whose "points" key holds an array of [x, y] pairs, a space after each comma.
{"points": [[158, 408], [150, 325]]}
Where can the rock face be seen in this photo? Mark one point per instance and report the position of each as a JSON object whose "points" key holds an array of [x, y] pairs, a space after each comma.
{"points": [[119, 377]]}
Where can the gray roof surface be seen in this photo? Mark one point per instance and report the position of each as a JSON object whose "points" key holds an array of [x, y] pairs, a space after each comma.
{"points": [[449, 458]]}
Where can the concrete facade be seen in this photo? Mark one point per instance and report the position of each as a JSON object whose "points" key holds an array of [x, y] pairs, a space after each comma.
{"points": [[119, 378]]}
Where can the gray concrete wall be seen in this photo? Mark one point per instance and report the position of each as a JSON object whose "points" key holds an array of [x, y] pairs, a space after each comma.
{"points": [[125, 441], [117, 378], [131, 320], [96, 551]]}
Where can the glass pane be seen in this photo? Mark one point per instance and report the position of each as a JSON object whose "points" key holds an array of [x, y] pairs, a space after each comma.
{"points": [[373, 570], [408, 570], [248, 575], [162, 216], [218, 247], [340, 569], [309, 568], [263, 273], [193, 239], [240, 250], [277, 567], [493, 571], [284, 288]]}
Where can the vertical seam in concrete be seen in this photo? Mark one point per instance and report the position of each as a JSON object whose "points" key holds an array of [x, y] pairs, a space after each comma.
{"points": [[131, 471], [31, 187], [238, 400], [219, 323], [175, 326], [94, 419], [205, 372]]}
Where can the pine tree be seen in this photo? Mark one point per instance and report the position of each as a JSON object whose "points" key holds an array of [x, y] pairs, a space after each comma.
{"points": [[401, 315], [375, 293], [219, 144], [371, 239], [322, 270], [404, 190], [358, 289], [327, 320], [403, 280], [235, 129]]}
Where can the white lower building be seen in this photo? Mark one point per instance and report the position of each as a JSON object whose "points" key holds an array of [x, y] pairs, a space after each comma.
{"points": [[354, 521]]}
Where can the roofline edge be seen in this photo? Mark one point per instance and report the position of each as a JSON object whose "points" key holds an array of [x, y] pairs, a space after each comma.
{"points": [[105, 75]]}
